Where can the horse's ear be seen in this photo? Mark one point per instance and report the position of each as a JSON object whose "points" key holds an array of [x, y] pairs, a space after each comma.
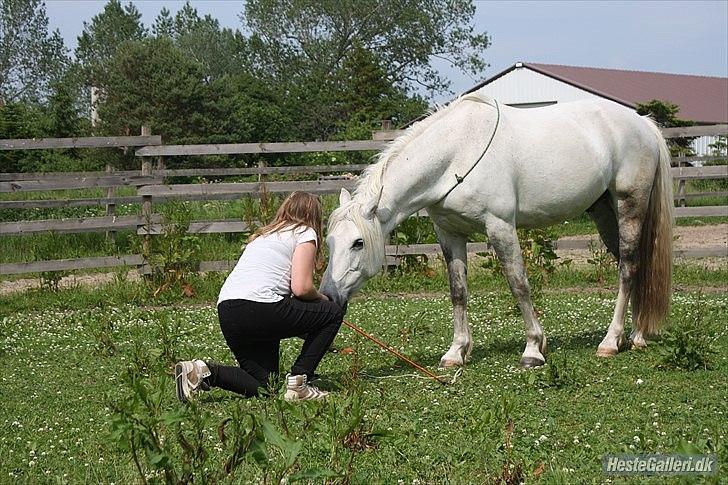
{"points": [[382, 214], [344, 197], [368, 211]]}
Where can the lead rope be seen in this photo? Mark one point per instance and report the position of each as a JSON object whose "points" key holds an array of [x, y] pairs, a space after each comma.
{"points": [[394, 352], [459, 179]]}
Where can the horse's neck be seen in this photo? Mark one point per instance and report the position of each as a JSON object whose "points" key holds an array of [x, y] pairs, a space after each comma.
{"points": [[412, 180], [423, 173]]}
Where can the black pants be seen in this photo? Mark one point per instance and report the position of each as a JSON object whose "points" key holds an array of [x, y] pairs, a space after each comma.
{"points": [[254, 330]]}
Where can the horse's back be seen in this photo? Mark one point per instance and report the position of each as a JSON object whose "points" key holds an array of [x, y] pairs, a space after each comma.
{"points": [[569, 154]]}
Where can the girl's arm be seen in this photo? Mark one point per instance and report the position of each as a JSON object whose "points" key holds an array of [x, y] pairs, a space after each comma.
{"points": [[302, 267]]}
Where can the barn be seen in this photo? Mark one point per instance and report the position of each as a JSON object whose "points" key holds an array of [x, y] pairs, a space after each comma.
{"points": [[701, 99]]}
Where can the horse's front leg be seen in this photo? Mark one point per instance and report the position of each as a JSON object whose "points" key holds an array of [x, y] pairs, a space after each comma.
{"points": [[454, 249], [504, 238]]}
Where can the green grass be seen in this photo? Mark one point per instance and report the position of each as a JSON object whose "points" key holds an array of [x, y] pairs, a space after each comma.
{"points": [[690, 275], [67, 357]]}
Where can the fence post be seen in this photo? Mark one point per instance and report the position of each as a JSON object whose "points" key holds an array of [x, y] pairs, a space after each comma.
{"points": [[681, 187], [146, 199], [110, 206]]}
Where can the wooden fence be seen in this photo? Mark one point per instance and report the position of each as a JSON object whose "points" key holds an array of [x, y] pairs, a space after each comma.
{"points": [[150, 189]]}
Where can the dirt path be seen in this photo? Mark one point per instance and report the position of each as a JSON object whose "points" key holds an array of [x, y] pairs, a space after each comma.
{"points": [[689, 237], [686, 237]]}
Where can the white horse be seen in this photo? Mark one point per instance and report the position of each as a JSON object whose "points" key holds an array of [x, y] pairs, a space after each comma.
{"points": [[479, 166]]}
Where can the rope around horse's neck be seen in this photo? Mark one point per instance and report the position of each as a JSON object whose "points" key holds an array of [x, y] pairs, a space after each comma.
{"points": [[459, 179]]}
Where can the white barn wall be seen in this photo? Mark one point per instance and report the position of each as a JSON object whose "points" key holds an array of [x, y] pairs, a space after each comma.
{"points": [[523, 86]]}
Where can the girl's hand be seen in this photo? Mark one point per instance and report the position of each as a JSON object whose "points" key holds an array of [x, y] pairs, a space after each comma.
{"points": [[323, 297]]}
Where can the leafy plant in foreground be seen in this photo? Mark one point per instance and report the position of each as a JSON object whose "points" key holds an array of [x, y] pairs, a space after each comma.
{"points": [[168, 444], [174, 254], [555, 374], [601, 260], [689, 344]]}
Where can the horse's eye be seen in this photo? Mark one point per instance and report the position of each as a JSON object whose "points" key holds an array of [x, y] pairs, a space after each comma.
{"points": [[358, 244]]}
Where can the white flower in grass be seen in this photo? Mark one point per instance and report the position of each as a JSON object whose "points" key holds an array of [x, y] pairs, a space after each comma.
{"points": [[639, 381]]}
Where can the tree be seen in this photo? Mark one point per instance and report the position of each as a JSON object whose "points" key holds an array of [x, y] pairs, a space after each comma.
{"points": [[101, 38], [304, 38], [665, 114], [31, 58], [151, 82], [163, 25], [218, 50]]}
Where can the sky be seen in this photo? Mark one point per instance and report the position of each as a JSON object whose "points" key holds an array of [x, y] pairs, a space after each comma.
{"points": [[683, 37]]}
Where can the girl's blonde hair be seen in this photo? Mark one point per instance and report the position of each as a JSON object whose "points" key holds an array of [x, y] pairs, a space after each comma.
{"points": [[297, 210]]}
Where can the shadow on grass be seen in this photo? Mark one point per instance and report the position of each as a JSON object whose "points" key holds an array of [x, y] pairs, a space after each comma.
{"points": [[502, 350]]}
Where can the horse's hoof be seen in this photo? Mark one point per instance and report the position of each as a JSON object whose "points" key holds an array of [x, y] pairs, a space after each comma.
{"points": [[449, 364], [637, 341], [530, 362], [606, 352]]}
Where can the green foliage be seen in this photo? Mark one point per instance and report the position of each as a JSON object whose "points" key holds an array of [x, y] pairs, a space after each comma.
{"points": [[381, 422], [31, 57], [151, 82], [222, 52], [170, 444], [104, 35], [173, 255], [539, 258], [557, 373], [312, 39], [689, 342], [602, 262], [719, 148], [339, 70], [259, 212], [414, 230], [665, 114]]}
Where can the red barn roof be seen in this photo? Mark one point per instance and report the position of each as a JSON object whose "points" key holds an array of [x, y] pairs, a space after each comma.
{"points": [[700, 98]]}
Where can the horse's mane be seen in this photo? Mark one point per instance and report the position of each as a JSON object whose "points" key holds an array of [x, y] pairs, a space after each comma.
{"points": [[370, 182]]}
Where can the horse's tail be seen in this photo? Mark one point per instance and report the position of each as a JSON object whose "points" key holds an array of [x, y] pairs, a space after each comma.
{"points": [[653, 280]]}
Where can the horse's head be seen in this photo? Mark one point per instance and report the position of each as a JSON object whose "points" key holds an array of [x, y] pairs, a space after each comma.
{"points": [[356, 248]]}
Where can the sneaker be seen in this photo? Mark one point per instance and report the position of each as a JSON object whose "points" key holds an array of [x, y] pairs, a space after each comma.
{"points": [[298, 389], [189, 375]]}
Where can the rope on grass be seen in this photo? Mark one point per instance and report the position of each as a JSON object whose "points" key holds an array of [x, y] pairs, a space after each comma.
{"points": [[396, 353]]}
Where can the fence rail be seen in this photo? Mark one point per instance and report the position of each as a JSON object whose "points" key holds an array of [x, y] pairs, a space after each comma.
{"points": [[86, 224], [83, 142], [394, 255], [150, 189], [246, 148]]}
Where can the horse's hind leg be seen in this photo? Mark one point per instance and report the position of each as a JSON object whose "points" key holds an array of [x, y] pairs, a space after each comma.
{"points": [[502, 235], [603, 215], [454, 249], [631, 212]]}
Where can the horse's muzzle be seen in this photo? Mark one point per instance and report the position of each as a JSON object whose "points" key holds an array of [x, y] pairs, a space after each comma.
{"points": [[332, 293]]}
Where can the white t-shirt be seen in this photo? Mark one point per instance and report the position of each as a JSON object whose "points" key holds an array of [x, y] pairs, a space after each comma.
{"points": [[263, 272]]}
